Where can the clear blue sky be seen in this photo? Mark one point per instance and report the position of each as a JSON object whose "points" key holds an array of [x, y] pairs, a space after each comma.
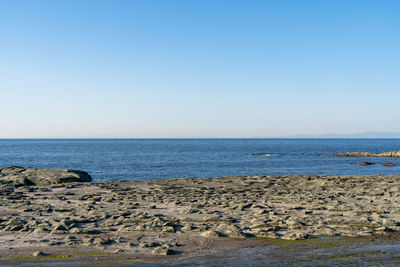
{"points": [[206, 68]]}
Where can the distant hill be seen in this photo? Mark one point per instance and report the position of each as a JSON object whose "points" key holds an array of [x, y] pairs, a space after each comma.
{"points": [[356, 135]]}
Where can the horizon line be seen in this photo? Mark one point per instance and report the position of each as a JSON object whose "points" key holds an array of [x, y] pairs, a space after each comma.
{"points": [[127, 138]]}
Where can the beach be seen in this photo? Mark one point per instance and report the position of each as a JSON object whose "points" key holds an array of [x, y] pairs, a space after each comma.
{"points": [[199, 133], [164, 221]]}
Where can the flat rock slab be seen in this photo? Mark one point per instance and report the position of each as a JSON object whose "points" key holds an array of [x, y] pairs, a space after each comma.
{"points": [[39, 177]]}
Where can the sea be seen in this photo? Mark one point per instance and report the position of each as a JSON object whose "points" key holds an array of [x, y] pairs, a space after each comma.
{"points": [[148, 159]]}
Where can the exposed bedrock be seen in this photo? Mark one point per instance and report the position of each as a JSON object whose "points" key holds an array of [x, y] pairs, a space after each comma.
{"points": [[31, 176]]}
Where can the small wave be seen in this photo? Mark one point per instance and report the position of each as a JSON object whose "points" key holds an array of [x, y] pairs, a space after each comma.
{"points": [[264, 154]]}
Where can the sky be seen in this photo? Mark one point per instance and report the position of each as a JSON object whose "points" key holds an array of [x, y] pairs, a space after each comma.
{"points": [[201, 69]]}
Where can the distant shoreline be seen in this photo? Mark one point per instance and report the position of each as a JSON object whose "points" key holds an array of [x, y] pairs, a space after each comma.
{"points": [[199, 138]]}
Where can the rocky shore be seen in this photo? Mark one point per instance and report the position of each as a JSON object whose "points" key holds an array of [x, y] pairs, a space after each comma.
{"points": [[147, 221], [393, 154]]}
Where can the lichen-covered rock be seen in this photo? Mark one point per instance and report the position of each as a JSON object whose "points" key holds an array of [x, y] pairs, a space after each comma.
{"points": [[32, 176]]}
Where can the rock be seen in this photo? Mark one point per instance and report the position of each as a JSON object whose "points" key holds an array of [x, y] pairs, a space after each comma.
{"points": [[365, 163], [15, 224], [102, 241], [294, 224], [38, 254], [187, 227], [41, 230], [394, 154], [31, 176], [245, 206], [295, 236], [70, 238], [60, 227], [285, 207], [384, 229], [168, 229], [388, 164], [149, 244], [212, 233], [162, 251], [234, 233], [131, 245], [14, 228], [75, 230]]}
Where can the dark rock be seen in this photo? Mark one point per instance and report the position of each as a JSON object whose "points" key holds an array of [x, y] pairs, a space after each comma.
{"points": [[149, 244], [365, 163], [31, 176]]}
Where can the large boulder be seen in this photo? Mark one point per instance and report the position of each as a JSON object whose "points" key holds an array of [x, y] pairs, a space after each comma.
{"points": [[394, 154], [31, 176]]}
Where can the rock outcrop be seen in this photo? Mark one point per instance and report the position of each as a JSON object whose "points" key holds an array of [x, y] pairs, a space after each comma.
{"points": [[365, 163], [31, 176], [183, 216], [389, 164], [394, 154]]}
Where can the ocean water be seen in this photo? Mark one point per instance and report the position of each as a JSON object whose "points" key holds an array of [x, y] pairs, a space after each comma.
{"points": [[146, 159]]}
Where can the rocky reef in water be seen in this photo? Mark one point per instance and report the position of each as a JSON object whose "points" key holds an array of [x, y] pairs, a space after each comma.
{"points": [[393, 154]]}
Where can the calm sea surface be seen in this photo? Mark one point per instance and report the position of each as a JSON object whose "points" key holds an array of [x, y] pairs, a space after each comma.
{"points": [[143, 159]]}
